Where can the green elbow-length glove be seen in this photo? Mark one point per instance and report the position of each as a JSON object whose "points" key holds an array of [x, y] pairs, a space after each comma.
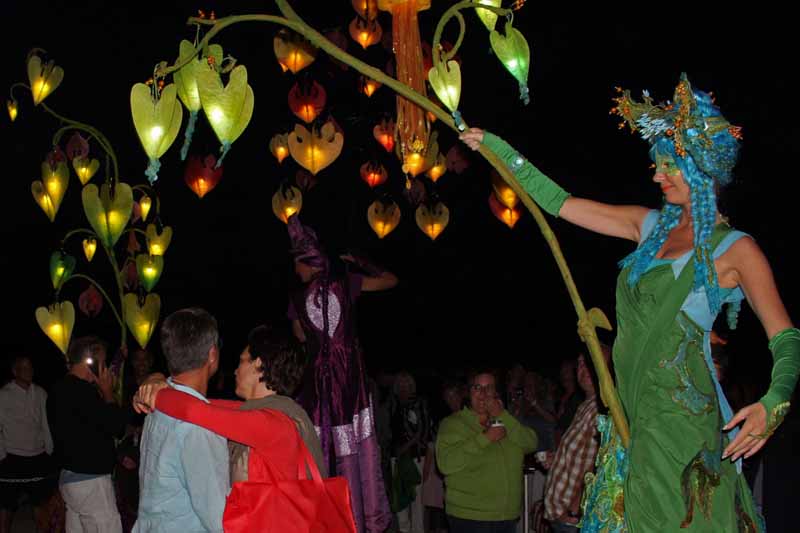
{"points": [[542, 189], [785, 348]]}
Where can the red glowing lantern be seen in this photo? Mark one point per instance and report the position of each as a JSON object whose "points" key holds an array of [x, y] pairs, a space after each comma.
{"points": [[365, 32], [307, 100], [507, 215], [373, 174], [201, 176], [384, 134]]}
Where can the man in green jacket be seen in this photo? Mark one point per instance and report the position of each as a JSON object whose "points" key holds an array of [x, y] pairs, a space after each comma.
{"points": [[480, 451]]}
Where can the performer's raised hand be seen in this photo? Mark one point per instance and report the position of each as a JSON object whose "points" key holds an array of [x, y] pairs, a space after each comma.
{"points": [[473, 137], [752, 435]]}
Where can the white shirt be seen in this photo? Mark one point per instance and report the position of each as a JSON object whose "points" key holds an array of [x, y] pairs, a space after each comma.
{"points": [[23, 421]]}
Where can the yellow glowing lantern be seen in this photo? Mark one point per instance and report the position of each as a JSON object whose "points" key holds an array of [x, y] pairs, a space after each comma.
{"points": [[368, 85], [279, 146], [89, 248], [49, 192], [149, 268], [186, 77], [57, 321], [287, 201], [44, 78], [227, 108], [383, 217], [488, 18], [505, 194], [445, 79], [141, 319], [432, 219], [108, 210], [144, 205], [367, 9], [157, 243], [11, 105], [373, 174], [414, 163], [315, 149], [293, 51], [437, 170], [365, 32], [85, 168], [157, 119]]}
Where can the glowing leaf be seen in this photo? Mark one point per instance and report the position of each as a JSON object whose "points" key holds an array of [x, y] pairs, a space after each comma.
{"points": [[107, 212]]}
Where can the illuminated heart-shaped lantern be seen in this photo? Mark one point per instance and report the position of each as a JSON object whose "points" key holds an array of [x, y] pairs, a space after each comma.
{"points": [[432, 219], [279, 146], [49, 192], [149, 268], [144, 206], [108, 210], [158, 242], [44, 78], [512, 50], [186, 83], [130, 277], [85, 168], [133, 243], [202, 174], [61, 267], [365, 32], [373, 174], [307, 100], [90, 302], [383, 217], [489, 18], [11, 106], [89, 248], [293, 51], [368, 86], [157, 118], [315, 149], [228, 108], [384, 134], [141, 319], [57, 321], [287, 201], [505, 194], [445, 78], [367, 9], [507, 215], [77, 147], [437, 170]]}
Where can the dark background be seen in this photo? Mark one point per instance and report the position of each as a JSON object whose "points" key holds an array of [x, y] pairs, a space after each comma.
{"points": [[481, 292]]}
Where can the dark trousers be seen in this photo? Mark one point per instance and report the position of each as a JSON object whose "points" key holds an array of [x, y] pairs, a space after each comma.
{"points": [[460, 525]]}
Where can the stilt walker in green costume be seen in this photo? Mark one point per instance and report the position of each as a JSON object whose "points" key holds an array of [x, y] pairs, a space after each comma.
{"points": [[682, 468]]}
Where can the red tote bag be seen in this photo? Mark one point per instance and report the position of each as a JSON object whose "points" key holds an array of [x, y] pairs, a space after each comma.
{"points": [[302, 505]]}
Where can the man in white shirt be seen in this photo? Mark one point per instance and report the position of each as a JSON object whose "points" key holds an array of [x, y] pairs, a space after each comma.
{"points": [[25, 443]]}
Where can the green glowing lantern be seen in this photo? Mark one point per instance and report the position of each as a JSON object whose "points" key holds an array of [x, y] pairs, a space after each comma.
{"points": [[228, 108], [149, 268], [445, 79], [513, 51], [488, 18], [61, 268], [108, 211], [157, 119], [57, 321], [141, 318]]}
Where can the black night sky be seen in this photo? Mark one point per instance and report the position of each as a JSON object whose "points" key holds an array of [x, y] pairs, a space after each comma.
{"points": [[481, 292]]}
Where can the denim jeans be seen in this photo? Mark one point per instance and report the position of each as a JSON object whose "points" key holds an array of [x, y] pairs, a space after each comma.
{"points": [[460, 525]]}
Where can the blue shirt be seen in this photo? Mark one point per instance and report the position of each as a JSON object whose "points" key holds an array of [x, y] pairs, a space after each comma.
{"points": [[183, 475]]}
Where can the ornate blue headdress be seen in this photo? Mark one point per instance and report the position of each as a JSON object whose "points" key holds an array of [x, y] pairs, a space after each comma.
{"points": [[705, 147]]}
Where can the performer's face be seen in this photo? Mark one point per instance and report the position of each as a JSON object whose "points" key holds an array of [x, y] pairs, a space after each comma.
{"points": [[670, 179], [304, 272]]}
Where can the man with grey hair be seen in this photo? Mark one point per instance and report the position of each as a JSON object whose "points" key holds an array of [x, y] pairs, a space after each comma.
{"points": [[183, 471]]}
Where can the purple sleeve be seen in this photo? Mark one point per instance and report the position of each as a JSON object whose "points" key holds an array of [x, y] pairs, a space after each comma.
{"points": [[355, 280], [291, 313]]}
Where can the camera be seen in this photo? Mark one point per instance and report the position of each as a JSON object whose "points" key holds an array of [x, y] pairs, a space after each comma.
{"points": [[93, 364]]}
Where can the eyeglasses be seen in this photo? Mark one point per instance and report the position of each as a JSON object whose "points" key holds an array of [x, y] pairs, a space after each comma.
{"points": [[488, 389]]}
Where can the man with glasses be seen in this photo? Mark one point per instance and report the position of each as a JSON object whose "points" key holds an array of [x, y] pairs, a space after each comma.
{"points": [[480, 451]]}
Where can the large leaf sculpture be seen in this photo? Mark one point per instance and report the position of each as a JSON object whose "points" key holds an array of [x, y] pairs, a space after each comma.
{"points": [[488, 18], [445, 79], [228, 108], [108, 212], [44, 78], [432, 219], [315, 149], [383, 217], [513, 51], [49, 192], [158, 242], [186, 82], [141, 319], [157, 120], [57, 321]]}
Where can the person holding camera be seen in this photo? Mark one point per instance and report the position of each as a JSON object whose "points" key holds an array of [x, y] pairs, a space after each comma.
{"points": [[84, 421]]}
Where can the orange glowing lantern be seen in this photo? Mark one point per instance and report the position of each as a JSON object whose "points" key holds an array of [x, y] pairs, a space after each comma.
{"points": [[506, 215], [368, 86], [365, 32], [505, 194], [287, 201], [293, 51], [202, 175], [437, 170], [384, 134], [366, 9], [307, 100], [316, 149], [279, 146], [373, 174], [432, 219], [383, 217]]}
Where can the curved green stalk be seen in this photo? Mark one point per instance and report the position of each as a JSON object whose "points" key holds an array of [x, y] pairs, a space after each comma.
{"points": [[77, 232], [102, 291]]}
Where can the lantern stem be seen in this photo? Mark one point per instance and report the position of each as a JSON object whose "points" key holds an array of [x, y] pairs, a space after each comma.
{"points": [[152, 170], [187, 141], [78, 231], [100, 289]]}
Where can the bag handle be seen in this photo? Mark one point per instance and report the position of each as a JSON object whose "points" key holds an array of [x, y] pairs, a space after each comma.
{"points": [[306, 460]]}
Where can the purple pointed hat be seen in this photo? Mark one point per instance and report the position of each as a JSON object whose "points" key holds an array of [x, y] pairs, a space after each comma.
{"points": [[305, 244]]}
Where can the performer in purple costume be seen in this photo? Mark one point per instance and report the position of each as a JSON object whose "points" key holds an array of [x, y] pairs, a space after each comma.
{"points": [[333, 390]]}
